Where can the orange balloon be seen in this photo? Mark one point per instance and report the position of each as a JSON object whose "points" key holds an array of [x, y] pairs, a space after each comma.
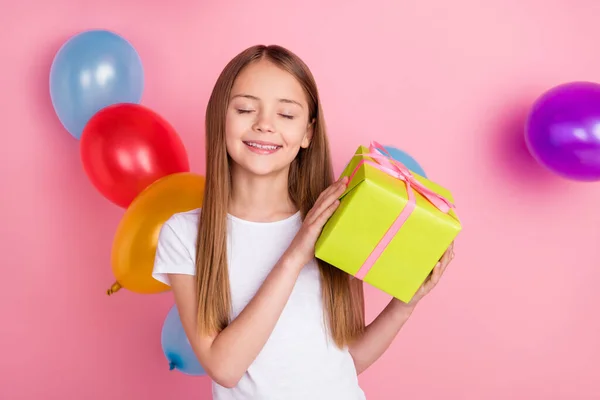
{"points": [[134, 244]]}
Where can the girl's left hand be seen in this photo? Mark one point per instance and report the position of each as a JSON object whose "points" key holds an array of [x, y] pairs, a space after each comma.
{"points": [[434, 277]]}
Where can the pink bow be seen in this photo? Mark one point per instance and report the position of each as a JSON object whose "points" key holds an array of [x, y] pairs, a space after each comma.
{"points": [[384, 162]]}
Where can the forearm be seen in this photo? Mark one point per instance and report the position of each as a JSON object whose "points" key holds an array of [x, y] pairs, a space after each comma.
{"points": [[378, 335], [238, 344]]}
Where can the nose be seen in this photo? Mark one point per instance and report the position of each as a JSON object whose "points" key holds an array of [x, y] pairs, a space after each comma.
{"points": [[264, 123]]}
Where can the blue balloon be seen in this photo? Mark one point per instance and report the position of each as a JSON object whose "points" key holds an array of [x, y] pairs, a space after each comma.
{"points": [[176, 346], [406, 159], [93, 70]]}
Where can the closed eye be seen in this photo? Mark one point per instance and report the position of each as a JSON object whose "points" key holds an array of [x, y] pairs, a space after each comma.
{"points": [[242, 111], [287, 116]]}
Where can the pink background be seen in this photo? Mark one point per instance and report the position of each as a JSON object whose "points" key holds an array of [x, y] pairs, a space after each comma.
{"points": [[516, 316]]}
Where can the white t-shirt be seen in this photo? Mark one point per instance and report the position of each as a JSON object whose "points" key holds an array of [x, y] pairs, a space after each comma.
{"points": [[300, 360]]}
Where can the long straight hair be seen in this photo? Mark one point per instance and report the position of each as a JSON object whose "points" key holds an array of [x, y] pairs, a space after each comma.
{"points": [[310, 173]]}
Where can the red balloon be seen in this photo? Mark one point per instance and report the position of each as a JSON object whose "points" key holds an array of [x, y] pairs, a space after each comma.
{"points": [[126, 147]]}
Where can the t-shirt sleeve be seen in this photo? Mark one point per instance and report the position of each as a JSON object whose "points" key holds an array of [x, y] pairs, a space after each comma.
{"points": [[173, 255]]}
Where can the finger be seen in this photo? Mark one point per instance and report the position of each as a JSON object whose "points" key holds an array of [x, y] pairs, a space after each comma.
{"points": [[430, 276], [445, 260], [442, 271], [318, 209], [426, 284], [326, 214], [448, 260], [325, 193], [447, 254], [437, 273], [425, 288], [329, 199]]}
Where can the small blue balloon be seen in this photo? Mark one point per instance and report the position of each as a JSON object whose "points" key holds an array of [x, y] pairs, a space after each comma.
{"points": [[406, 159], [176, 346], [93, 70]]}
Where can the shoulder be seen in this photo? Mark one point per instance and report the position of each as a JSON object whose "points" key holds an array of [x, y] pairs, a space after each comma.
{"points": [[183, 223], [181, 229], [176, 247]]}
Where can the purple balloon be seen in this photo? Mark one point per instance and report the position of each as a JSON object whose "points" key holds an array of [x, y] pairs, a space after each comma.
{"points": [[563, 131]]}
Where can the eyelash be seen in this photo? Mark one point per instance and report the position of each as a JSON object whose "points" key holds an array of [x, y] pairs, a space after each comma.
{"points": [[240, 111]]}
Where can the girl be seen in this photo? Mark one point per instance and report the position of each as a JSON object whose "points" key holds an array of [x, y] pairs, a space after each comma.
{"points": [[266, 320]]}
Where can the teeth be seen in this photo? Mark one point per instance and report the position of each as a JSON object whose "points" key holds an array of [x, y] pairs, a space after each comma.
{"points": [[262, 146]]}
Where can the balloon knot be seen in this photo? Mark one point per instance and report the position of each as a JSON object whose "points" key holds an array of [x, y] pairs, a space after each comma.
{"points": [[171, 366], [114, 288]]}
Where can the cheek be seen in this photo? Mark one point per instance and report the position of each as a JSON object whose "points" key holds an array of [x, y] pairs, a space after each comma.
{"points": [[296, 134], [234, 127]]}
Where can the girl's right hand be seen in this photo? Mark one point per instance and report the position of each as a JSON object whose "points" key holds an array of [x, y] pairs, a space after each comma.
{"points": [[302, 248]]}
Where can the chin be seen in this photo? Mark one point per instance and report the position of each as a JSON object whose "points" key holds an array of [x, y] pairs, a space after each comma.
{"points": [[262, 170], [258, 168]]}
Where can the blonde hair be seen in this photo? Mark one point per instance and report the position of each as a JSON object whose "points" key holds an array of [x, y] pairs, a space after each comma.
{"points": [[310, 173]]}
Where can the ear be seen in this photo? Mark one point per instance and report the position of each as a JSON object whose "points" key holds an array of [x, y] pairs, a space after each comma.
{"points": [[308, 135]]}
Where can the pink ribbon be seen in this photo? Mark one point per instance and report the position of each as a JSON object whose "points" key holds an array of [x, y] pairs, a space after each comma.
{"points": [[383, 161]]}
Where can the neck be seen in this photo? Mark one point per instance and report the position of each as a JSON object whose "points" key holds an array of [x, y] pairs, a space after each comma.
{"points": [[260, 198]]}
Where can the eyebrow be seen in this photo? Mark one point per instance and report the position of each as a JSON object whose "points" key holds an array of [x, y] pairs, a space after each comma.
{"points": [[249, 96]]}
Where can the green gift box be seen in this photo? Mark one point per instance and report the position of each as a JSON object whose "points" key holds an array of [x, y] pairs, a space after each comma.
{"points": [[392, 226]]}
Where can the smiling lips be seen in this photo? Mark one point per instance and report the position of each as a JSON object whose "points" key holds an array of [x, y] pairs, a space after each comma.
{"points": [[260, 147]]}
